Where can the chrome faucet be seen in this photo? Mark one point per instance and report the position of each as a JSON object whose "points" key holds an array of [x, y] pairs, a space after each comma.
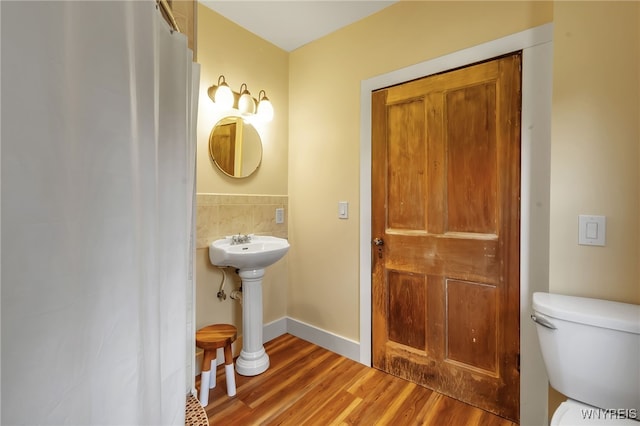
{"points": [[240, 239]]}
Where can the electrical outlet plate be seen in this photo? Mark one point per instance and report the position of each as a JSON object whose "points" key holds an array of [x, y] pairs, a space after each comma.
{"points": [[279, 215]]}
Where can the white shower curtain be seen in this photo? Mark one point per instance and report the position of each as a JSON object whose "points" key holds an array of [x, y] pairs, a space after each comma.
{"points": [[98, 162]]}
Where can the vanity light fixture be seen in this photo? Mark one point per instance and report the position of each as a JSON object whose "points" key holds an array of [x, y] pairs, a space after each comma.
{"points": [[226, 99]]}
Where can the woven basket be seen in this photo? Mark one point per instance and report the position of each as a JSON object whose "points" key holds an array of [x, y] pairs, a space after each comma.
{"points": [[194, 413]]}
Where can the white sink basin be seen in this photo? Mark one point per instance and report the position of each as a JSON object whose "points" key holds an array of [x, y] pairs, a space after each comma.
{"points": [[258, 253]]}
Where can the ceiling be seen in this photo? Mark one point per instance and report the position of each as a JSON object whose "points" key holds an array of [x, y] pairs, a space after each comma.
{"points": [[293, 23]]}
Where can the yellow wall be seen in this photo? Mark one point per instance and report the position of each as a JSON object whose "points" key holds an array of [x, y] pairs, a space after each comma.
{"points": [[315, 91], [595, 148], [314, 149], [225, 205], [242, 57], [324, 140]]}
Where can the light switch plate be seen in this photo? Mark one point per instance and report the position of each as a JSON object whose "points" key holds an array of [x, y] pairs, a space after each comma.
{"points": [[343, 209], [591, 230]]}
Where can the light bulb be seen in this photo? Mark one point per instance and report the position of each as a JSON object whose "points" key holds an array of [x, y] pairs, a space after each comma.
{"points": [[224, 96], [265, 109], [246, 104]]}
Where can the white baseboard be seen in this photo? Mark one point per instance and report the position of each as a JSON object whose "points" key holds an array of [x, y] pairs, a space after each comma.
{"points": [[274, 329], [330, 341]]}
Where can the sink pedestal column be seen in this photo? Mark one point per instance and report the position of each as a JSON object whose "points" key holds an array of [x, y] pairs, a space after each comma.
{"points": [[253, 359]]}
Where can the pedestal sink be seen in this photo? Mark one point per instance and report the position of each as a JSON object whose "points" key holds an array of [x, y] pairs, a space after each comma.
{"points": [[250, 254]]}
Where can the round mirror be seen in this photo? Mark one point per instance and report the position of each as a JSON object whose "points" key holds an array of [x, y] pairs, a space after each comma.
{"points": [[235, 147]]}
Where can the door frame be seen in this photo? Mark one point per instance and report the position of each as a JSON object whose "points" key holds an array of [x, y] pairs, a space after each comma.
{"points": [[537, 71]]}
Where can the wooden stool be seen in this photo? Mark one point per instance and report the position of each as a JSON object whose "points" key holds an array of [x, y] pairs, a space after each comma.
{"points": [[210, 339]]}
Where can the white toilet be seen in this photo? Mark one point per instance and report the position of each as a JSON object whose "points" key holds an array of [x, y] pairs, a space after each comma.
{"points": [[591, 349]]}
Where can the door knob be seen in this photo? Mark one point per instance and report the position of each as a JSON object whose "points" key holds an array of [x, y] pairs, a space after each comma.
{"points": [[378, 242]]}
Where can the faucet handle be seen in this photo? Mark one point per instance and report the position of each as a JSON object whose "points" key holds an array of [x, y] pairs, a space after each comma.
{"points": [[240, 238]]}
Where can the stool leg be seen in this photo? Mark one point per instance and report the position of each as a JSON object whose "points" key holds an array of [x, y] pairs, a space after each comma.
{"points": [[229, 371], [204, 389], [214, 366], [205, 377]]}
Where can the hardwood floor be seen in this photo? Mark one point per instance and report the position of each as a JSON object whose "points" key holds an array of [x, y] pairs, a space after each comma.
{"points": [[309, 385]]}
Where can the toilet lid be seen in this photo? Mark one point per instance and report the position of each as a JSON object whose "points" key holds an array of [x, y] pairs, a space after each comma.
{"points": [[573, 413]]}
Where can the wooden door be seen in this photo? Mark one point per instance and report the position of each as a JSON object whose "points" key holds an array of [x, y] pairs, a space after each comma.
{"points": [[446, 210], [222, 147]]}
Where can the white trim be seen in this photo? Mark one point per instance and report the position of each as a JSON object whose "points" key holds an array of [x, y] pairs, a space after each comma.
{"points": [[535, 171], [330, 341], [274, 329], [536, 44]]}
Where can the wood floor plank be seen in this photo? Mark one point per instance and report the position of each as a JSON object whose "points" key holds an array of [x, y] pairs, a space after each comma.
{"points": [[340, 419], [413, 408], [358, 387], [397, 402], [449, 412], [316, 400], [298, 373], [375, 403], [309, 385], [333, 410], [488, 419], [425, 412]]}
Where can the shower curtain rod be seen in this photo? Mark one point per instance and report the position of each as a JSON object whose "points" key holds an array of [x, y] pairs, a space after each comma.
{"points": [[167, 10]]}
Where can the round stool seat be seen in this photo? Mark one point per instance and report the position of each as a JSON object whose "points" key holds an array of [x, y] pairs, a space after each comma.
{"points": [[216, 336]]}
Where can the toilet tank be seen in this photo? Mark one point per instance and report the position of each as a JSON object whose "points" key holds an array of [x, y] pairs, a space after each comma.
{"points": [[591, 349]]}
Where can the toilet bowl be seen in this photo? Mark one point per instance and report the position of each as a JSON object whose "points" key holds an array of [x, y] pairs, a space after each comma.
{"points": [[591, 350]]}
